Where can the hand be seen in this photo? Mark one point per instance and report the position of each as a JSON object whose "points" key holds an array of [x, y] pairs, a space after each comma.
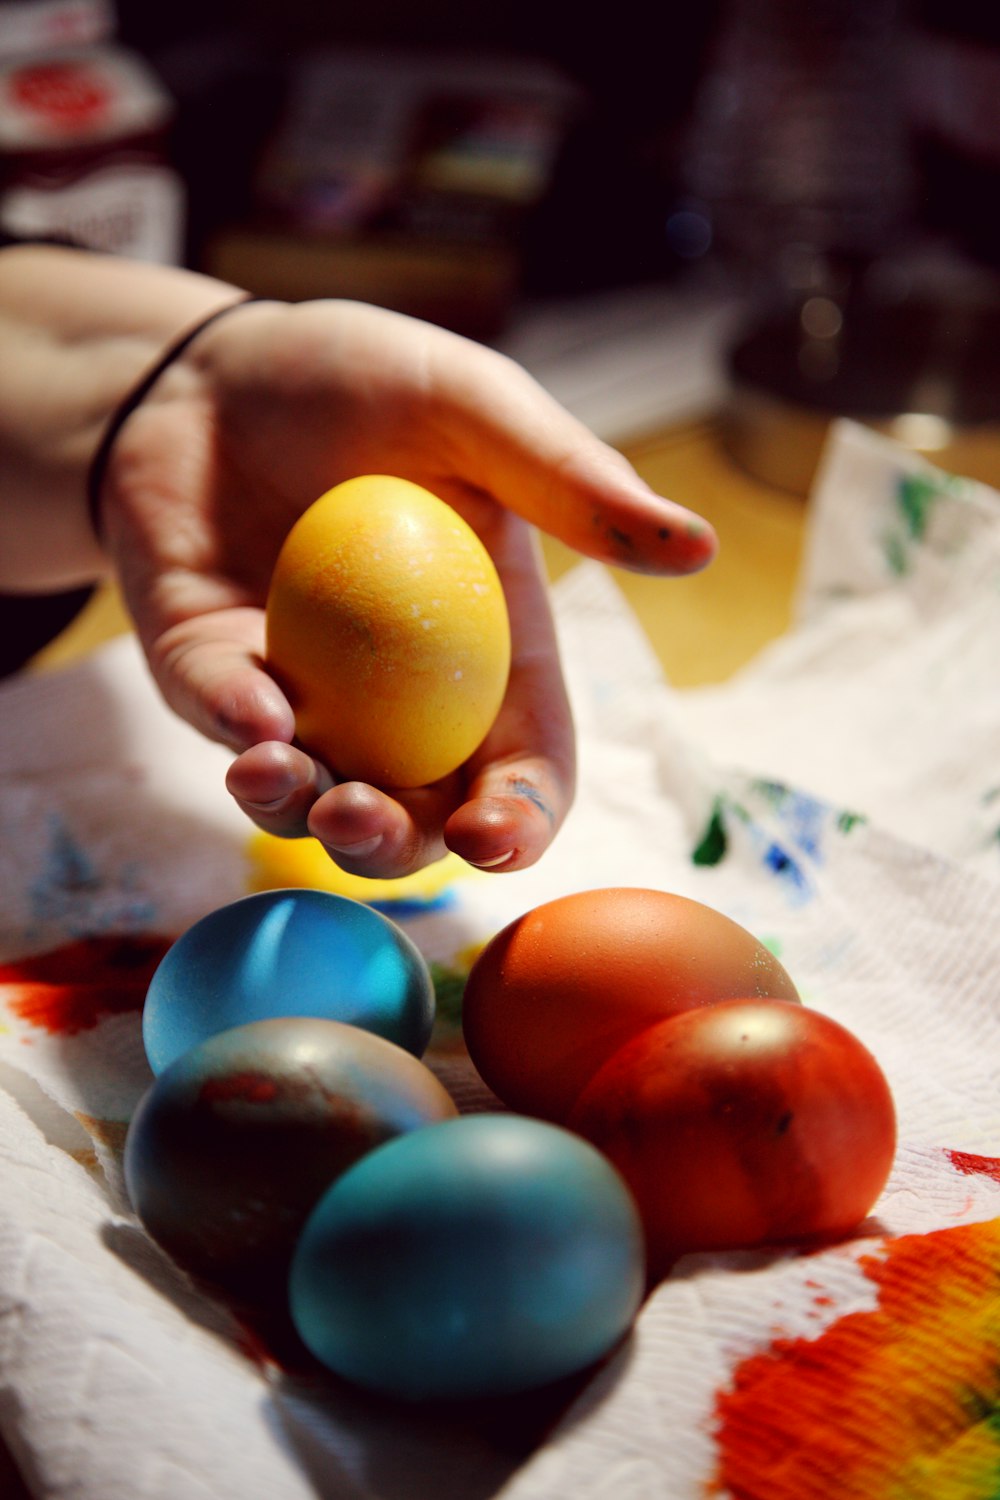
{"points": [[267, 409]]}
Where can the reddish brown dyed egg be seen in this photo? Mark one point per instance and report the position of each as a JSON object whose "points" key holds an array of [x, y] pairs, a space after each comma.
{"points": [[562, 988], [744, 1123]]}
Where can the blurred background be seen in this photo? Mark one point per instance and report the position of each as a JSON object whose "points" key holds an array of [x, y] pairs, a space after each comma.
{"points": [[462, 162], [538, 142], [596, 149], [708, 230]]}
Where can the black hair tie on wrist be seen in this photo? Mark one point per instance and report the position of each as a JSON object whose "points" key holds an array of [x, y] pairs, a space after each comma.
{"points": [[135, 397]]}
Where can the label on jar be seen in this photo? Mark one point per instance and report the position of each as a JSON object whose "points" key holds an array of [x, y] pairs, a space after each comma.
{"points": [[83, 153], [136, 210]]}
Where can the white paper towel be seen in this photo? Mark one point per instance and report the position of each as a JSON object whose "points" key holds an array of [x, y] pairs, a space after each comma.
{"points": [[840, 799]]}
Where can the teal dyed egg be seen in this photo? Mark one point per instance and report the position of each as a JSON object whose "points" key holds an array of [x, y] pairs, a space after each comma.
{"points": [[476, 1257], [288, 953], [234, 1142]]}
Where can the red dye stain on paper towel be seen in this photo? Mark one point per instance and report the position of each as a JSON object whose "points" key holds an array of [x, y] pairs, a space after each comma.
{"points": [[74, 987]]}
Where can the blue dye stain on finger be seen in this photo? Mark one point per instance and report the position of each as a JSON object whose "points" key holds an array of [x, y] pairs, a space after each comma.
{"points": [[530, 793]]}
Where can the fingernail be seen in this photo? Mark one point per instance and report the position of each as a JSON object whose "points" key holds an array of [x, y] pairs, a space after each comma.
{"points": [[491, 864], [274, 805], [357, 851]]}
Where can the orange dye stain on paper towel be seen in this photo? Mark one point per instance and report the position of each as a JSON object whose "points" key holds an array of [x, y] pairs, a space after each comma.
{"points": [[898, 1403], [73, 988]]}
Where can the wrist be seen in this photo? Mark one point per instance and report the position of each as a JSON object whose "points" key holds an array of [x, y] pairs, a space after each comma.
{"points": [[77, 331], [170, 357]]}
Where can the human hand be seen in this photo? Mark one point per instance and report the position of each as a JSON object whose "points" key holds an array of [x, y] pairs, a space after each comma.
{"points": [[268, 408]]}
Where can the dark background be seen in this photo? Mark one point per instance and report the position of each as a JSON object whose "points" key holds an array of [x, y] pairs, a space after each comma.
{"points": [[620, 171], [227, 61]]}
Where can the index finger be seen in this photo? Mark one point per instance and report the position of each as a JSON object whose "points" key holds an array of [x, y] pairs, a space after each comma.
{"points": [[544, 464]]}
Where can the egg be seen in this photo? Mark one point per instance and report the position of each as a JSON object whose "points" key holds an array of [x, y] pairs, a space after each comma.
{"points": [[288, 953], [388, 630], [564, 986], [744, 1123], [475, 1257], [233, 1144]]}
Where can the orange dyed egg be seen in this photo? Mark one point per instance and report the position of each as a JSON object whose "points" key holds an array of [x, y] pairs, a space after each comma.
{"points": [[562, 988], [387, 628]]}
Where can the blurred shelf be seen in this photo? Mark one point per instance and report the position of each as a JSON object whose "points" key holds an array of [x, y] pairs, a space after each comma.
{"points": [[468, 288]]}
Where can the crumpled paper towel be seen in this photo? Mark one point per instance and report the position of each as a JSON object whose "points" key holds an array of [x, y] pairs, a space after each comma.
{"points": [[840, 798]]}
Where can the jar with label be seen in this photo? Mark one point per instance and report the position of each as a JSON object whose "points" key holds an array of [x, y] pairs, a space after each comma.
{"points": [[84, 154]]}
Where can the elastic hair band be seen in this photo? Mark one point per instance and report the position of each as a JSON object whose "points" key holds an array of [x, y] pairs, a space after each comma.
{"points": [[135, 397]]}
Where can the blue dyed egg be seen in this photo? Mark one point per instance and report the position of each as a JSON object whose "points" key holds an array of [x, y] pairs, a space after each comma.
{"points": [[288, 953], [476, 1257], [236, 1140]]}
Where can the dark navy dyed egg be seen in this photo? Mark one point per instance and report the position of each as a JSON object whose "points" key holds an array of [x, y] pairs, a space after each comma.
{"points": [[233, 1144], [288, 953], [481, 1256]]}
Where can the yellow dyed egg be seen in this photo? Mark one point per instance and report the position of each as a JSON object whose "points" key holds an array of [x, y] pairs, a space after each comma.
{"points": [[387, 628]]}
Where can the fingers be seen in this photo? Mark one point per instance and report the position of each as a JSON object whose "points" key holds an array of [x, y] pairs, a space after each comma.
{"points": [[370, 832], [511, 817], [276, 785], [366, 831], [208, 669], [545, 465], [506, 823]]}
